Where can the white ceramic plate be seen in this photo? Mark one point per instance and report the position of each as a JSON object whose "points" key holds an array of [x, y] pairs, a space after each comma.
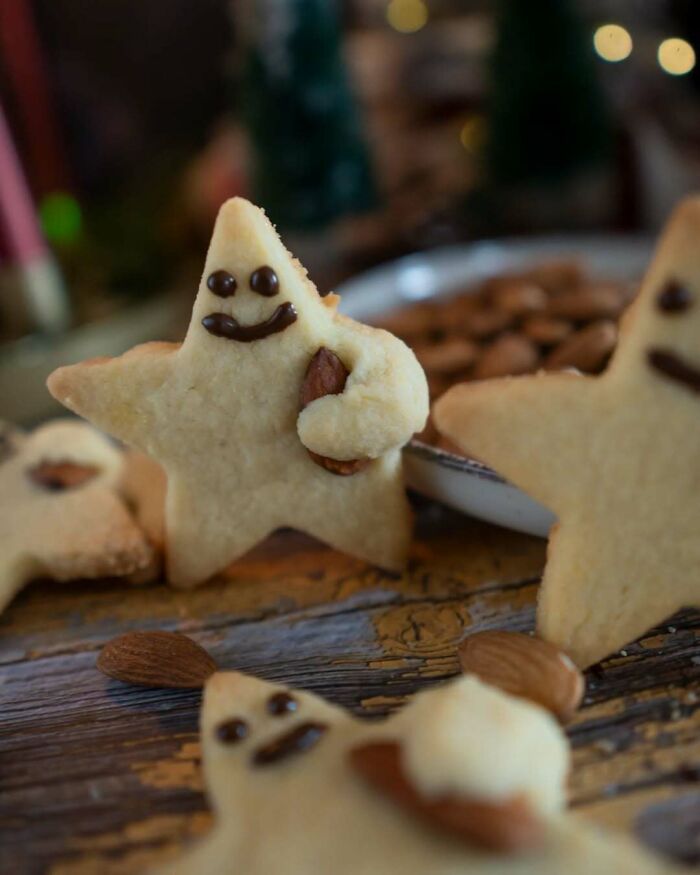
{"points": [[464, 483]]}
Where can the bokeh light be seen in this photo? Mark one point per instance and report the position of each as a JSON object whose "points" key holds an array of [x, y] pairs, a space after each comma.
{"points": [[676, 56], [407, 16], [612, 42], [61, 217], [473, 134]]}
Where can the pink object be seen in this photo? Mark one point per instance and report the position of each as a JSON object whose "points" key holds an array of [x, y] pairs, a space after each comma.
{"points": [[19, 228]]}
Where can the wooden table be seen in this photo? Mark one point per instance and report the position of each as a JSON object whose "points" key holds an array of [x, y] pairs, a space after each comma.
{"points": [[98, 777]]}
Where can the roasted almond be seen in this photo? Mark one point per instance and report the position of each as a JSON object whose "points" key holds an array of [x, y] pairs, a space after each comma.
{"points": [[156, 659], [449, 357], [486, 322], [526, 667], [520, 298], [327, 375], [506, 826], [591, 302], [546, 330], [511, 354], [586, 350]]}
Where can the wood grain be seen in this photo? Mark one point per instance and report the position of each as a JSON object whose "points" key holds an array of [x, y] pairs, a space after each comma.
{"points": [[98, 777]]}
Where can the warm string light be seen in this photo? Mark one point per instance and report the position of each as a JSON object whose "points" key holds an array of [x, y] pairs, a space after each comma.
{"points": [[473, 134], [613, 43], [676, 56], [407, 16]]}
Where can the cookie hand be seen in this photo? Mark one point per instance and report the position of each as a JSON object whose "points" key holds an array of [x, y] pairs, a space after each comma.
{"points": [[384, 403]]}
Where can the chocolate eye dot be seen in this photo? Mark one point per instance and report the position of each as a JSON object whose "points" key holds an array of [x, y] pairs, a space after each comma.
{"points": [[222, 284], [280, 704], [264, 281], [674, 298], [232, 731]]}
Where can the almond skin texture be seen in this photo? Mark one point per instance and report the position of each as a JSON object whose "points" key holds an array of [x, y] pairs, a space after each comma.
{"points": [[156, 659], [525, 667], [327, 375], [504, 827]]}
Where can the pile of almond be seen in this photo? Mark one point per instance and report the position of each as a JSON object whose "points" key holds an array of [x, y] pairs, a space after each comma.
{"points": [[550, 317]]}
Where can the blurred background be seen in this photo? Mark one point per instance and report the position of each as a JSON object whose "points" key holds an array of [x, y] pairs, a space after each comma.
{"points": [[366, 128]]}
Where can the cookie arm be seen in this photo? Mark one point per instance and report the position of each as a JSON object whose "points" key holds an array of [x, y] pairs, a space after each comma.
{"points": [[116, 394], [532, 429], [384, 403]]}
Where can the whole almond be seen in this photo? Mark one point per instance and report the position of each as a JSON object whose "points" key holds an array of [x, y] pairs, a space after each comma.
{"points": [[590, 302], [449, 357], [557, 276], [520, 298], [526, 667], [156, 659], [586, 350], [511, 354], [327, 375], [486, 322], [546, 330], [506, 826]]}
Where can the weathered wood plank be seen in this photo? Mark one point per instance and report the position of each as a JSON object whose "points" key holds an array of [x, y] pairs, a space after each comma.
{"points": [[98, 777]]}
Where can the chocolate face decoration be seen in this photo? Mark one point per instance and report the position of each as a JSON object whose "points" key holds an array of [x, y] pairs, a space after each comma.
{"points": [[673, 300], [263, 281]]}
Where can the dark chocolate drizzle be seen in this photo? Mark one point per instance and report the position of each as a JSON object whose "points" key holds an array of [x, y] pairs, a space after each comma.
{"points": [[232, 731], [222, 283], [264, 281], [280, 704], [672, 366], [221, 325], [298, 740], [674, 298]]}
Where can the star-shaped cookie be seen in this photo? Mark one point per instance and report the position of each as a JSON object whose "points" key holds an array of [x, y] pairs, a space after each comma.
{"points": [[60, 515], [466, 779], [221, 411], [616, 457]]}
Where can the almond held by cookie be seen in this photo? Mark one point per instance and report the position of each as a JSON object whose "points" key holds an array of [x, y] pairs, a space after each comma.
{"points": [[327, 375], [614, 457], [525, 667], [156, 659], [220, 412], [465, 779], [61, 515]]}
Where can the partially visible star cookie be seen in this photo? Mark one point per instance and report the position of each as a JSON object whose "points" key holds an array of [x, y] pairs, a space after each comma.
{"points": [[274, 411], [616, 457], [466, 779], [60, 515]]}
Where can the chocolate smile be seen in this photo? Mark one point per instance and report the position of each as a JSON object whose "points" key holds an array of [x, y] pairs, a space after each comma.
{"points": [[675, 368], [221, 325]]}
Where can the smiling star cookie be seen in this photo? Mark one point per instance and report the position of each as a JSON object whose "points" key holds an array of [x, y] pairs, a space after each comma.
{"points": [[616, 457], [60, 515], [246, 447], [466, 780]]}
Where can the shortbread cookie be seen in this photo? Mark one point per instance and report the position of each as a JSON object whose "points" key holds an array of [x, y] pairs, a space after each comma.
{"points": [[144, 486], [221, 412], [60, 515], [615, 457], [466, 779]]}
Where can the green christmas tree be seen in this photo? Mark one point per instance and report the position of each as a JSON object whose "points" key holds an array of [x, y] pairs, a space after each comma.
{"points": [[547, 119], [310, 160]]}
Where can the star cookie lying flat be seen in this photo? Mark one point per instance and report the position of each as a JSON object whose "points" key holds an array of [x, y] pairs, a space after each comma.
{"points": [[60, 515], [616, 458], [223, 411], [466, 779]]}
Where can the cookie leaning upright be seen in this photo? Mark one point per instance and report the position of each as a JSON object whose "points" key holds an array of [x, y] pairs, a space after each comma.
{"points": [[61, 516], [616, 457], [221, 412]]}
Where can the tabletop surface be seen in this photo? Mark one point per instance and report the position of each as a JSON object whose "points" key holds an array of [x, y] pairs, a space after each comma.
{"points": [[100, 777]]}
